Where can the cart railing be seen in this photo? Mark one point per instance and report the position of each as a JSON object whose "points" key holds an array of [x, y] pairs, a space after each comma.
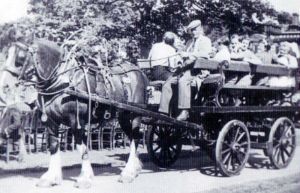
{"points": [[235, 66]]}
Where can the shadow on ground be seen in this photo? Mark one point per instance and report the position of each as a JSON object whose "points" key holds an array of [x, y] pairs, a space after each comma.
{"points": [[197, 160]]}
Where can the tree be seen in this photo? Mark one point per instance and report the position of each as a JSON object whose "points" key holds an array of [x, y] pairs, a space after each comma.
{"points": [[285, 18], [144, 21]]}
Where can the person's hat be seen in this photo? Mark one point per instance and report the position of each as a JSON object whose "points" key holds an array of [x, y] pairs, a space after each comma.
{"points": [[193, 25]]}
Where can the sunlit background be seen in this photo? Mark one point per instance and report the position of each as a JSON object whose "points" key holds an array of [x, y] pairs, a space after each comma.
{"points": [[11, 10], [292, 6]]}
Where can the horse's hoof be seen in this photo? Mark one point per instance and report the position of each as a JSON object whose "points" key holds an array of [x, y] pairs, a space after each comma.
{"points": [[84, 184], [126, 179], [43, 183]]}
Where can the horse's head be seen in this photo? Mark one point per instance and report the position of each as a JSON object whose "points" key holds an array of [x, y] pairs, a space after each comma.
{"points": [[45, 58]]}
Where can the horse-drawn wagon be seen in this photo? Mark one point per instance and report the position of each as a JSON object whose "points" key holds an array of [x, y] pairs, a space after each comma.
{"points": [[225, 131], [228, 132], [77, 92]]}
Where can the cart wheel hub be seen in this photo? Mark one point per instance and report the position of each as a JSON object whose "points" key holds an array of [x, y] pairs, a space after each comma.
{"points": [[235, 146], [284, 142]]}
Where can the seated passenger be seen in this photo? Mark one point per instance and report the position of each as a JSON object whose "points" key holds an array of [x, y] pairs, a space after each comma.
{"points": [[263, 53], [222, 52], [294, 49], [235, 44], [246, 55], [198, 47], [163, 58], [234, 49], [284, 58]]}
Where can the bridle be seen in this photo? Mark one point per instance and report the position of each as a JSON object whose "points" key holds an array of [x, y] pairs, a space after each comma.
{"points": [[26, 49], [32, 53], [42, 82]]}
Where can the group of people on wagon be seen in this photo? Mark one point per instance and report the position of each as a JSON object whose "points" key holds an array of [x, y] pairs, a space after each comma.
{"points": [[165, 58]]}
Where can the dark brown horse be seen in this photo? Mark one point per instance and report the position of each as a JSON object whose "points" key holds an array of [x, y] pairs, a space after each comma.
{"points": [[125, 83]]}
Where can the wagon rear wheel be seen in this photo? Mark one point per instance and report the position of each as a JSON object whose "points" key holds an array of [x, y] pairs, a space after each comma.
{"points": [[232, 148], [282, 142], [164, 145]]}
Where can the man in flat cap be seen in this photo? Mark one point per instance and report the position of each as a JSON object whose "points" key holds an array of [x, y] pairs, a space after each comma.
{"points": [[198, 47]]}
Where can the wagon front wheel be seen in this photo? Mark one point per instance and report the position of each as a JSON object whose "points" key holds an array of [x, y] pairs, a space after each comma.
{"points": [[164, 145], [232, 148], [281, 143]]}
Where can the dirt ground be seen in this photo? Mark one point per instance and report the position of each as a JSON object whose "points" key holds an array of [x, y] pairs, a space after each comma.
{"points": [[287, 184], [192, 173]]}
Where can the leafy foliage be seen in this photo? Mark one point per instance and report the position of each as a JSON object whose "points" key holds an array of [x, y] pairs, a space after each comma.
{"points": [[139, 23]]}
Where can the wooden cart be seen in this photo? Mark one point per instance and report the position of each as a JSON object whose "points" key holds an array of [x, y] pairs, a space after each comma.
{"points": [[226, 132]]}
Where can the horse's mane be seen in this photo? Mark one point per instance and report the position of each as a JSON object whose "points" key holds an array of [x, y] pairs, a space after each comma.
{"points": [[48, 55]]}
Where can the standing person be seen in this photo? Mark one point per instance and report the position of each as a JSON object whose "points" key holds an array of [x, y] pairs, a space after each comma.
{"points": [[198, 47], [163, 58]]}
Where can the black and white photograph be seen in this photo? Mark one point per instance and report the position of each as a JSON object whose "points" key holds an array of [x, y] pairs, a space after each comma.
{"points": [[150, 96]]}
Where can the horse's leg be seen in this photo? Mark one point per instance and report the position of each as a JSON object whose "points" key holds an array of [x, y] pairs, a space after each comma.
{"points": [[84, 180], [53, 176], [133, 166]]}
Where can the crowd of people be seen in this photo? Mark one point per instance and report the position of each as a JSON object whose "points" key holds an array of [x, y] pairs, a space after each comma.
{"points": [[164, 57]]}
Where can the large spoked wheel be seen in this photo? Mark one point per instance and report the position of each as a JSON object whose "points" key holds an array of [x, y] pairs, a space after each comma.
{"points": [[232, 148], [164, 145], [282, 142]]}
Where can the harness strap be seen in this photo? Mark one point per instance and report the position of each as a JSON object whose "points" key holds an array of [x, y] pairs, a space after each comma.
{"points": [[44, 115], [90, 102], [107, 81], [77, 114]]}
